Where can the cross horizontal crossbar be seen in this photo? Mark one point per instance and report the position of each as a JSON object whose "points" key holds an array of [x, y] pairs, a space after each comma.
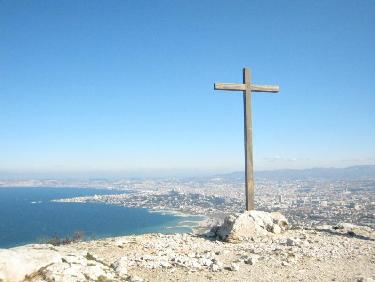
{"points": [[230, 86], [242, 87], [265, 88]]}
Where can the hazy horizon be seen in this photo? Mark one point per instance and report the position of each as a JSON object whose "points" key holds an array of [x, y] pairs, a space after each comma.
{"points": [[100, 174]]}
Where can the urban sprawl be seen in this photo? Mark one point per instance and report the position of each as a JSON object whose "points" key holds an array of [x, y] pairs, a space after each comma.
{"points": [[305, 203]]}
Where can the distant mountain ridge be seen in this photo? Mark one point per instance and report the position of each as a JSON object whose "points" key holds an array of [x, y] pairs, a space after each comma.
{"points": [[359, 172]]}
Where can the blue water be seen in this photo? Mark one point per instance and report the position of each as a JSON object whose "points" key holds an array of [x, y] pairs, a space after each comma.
{"points": [[23, 222]]}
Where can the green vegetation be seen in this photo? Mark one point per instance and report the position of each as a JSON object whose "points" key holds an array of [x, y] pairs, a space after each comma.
{"points": [[90, 257], [102, 278], [57, 241]]}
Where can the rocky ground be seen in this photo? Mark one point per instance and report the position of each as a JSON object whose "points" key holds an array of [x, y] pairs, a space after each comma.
{"points": [[341, 253]]}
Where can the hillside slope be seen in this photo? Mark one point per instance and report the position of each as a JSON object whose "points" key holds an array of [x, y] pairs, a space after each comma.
{"points": [[323, 254]]}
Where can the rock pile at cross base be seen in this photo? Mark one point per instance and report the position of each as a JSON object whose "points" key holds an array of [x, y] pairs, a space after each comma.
{"points": [[252, 246], [250, 225]]}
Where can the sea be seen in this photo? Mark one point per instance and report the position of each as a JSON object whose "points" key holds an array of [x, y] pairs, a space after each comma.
{"points": [[27, 215]]}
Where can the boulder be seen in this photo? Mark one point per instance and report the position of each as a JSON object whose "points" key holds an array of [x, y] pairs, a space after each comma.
{"points": [[50, 263], [18, 262], [249, 225]]}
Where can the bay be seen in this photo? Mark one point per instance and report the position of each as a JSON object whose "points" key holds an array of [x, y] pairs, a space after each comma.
{"points": [[27, 215]]}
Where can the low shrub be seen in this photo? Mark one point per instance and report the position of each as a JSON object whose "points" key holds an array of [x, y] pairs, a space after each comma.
{"points": [[55, 240]]}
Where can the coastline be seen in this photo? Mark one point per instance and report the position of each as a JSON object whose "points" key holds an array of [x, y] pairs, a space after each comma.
{"points": [[197, 225], [195, 221], [95, 219]]}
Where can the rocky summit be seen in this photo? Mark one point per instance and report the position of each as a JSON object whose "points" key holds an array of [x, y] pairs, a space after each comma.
{"points": [[253, 246]]}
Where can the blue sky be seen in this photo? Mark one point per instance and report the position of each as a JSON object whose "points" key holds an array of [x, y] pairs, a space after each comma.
{"points": [[127, 86]]}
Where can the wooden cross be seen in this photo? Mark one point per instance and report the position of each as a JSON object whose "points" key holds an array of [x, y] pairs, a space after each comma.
{"points": [[246, 87]]}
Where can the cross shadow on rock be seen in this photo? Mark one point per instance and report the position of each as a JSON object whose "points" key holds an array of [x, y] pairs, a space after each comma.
{"points": [[348, 230]]}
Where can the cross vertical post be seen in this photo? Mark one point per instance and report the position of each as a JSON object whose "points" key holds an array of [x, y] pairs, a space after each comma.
{"points": [[248, 141], [247, 88]]}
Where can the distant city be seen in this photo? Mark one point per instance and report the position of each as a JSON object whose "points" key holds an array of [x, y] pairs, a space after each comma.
{"points": [[308, 198]]}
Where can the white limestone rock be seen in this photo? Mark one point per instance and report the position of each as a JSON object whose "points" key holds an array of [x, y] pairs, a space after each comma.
{"points": [[121, 266], [250, 225], [18, 262], [276, 229], [216, 265], [251, 260], [77, 266], [279, 220], [135, 278], [234, 267], [205, 262], [51, 263]]}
